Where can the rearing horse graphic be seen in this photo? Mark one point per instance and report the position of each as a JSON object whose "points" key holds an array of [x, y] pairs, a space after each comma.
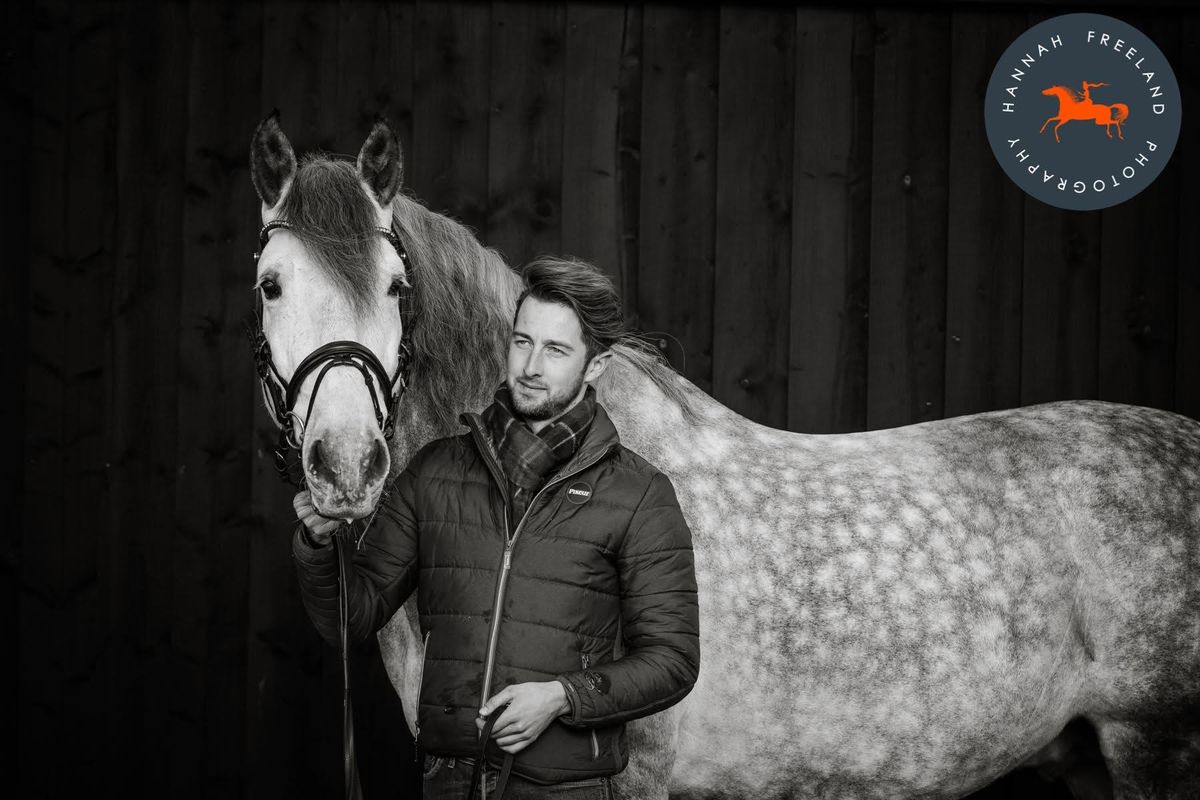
{"points": [[1073, 105]]}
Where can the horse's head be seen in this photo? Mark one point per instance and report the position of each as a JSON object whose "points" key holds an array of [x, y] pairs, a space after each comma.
{"points": [[331, 271]]}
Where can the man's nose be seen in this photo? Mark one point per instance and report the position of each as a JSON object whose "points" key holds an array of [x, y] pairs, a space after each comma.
{"points": [[533, 364]]}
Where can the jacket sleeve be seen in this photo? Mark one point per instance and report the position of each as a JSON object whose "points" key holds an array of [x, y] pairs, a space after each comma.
{"points": [[660, 620], [381, 575]]}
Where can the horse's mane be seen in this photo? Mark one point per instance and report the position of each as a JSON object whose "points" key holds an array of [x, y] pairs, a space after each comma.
{"points": [[633, 351], [464, 296]]}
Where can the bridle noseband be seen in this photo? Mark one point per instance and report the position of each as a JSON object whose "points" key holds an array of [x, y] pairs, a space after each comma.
{"points": [[281, 394]]}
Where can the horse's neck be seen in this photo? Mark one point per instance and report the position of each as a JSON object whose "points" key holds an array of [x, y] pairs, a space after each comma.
{"points": [[657, 427]]}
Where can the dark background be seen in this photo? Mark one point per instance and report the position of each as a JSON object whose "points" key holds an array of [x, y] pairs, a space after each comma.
{"points": [[799, 201]]}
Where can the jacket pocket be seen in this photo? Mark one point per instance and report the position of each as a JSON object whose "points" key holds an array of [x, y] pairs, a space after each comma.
{"points": [[586, 660]]}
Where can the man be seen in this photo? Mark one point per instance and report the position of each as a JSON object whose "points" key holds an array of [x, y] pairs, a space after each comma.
{"points": [[554, 570]]}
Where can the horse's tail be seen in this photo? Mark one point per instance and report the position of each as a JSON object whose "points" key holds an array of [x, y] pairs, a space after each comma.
{"points": [[1120, 112]]}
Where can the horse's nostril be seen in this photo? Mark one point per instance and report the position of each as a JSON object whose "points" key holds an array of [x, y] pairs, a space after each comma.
{"points": [[377, 468], [319, 467]]}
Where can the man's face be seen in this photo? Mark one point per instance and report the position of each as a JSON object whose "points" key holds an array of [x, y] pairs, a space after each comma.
{"points": [[547, 361]]}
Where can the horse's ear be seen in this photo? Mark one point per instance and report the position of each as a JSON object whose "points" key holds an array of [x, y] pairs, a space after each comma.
{"points": [[272, 161], [379, 162]]}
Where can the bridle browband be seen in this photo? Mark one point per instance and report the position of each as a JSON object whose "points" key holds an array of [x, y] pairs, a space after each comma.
{"points": [[281, 394]]}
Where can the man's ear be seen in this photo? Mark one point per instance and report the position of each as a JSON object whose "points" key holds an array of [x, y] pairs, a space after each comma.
{"points": [[596, 366]]}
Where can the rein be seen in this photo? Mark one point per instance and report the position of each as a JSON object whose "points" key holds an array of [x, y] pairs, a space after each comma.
{"points": [[281, 396]]}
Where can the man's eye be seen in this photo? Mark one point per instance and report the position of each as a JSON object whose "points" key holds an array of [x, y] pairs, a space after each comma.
{"points": [[520, 342], [554, 351], [270, 289]]}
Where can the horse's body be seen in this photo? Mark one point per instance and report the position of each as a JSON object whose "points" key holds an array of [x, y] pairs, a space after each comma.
{"points": [[1072, 108], [893, 614]]}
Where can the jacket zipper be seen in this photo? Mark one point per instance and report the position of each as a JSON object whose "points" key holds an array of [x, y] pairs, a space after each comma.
{"points": [[421, 682], [494, 634]]}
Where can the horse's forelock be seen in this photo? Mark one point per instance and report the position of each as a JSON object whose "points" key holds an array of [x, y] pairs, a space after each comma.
{"points": [[329, 211], [464, 297]]}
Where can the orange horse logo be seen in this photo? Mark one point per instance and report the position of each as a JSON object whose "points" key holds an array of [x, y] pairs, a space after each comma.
{"points": [[1074, 105]]}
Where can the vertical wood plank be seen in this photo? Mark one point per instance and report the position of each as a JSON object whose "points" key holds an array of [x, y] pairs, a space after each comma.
{"points": [[907, 356], [85, 293], [293, 729], [42, 654], [1138, 253], [152, 125], [676, 232], [1187, 159], [1137, 296], [525, 141], [754, 213], [448, 164], [629, 162], [830, 222], [16, 128], [591, 201], [213, 501], [986, 216], [374, 70], [1060, 289]]}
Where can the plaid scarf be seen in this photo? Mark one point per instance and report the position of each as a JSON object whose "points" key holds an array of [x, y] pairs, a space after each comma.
{"points": [[529, 458]]}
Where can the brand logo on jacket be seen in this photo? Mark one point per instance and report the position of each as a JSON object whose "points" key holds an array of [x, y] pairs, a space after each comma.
{"points": [[1082, 111], [579, 493]]}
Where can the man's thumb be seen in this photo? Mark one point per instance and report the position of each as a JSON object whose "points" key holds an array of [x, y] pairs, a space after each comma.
{"points": [[498, 701]]}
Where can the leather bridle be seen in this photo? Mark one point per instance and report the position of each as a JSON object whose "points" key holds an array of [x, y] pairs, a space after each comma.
{"points": [[281, 394]]}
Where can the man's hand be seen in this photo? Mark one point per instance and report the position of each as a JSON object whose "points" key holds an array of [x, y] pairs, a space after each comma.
{"points": [[319, 528], [528, 709]]}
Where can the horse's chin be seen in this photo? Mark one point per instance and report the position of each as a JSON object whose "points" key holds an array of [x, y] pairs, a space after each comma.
{"points": [[335, 504]]}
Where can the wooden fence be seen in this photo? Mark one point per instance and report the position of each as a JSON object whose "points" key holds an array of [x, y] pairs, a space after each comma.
{"points": [[799, 202]]}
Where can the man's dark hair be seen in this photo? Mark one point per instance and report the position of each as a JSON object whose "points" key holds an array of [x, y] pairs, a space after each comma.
{"points": [[585, 290]]}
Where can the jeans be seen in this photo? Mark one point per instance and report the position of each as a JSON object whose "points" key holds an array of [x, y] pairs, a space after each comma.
{"points": [[450, 778]]}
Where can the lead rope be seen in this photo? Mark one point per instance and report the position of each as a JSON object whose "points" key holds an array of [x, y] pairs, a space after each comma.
{"points": [[477, 770], [353, 790]]}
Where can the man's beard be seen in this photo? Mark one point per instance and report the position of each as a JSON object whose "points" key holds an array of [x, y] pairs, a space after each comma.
{"points": [[549, 406]]}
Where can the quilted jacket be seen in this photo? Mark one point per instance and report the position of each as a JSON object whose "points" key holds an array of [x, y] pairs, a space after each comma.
{"points": [[594, 587]]}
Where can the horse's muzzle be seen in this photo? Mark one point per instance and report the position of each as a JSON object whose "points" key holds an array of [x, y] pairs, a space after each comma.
{"points": [[346, 475]]}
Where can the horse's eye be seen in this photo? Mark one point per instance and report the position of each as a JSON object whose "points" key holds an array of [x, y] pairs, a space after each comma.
{"points": [[396, 286], [270, 289]]}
